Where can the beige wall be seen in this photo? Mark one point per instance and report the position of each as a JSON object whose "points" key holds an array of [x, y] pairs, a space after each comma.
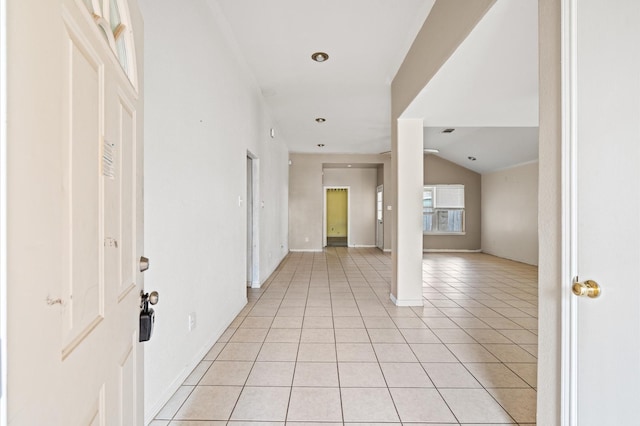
{"points": [[362, 198], [510, 213], [549, 215], [438, 171], [306, 199]]}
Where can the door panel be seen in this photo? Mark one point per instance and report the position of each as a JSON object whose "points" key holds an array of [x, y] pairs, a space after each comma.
{"points": [[75, 202], [607, 212], [83, 287], [125, 216], [128, 384]]}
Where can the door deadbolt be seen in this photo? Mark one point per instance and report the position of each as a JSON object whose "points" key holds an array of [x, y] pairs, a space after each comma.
{"points": [[144, 263]]}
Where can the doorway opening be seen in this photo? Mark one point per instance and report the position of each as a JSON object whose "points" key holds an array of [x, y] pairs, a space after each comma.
{"points": [[336, 226], [253, 204]]}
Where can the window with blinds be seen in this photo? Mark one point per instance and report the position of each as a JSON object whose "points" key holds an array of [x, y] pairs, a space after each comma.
{"points": [[443, 209]]}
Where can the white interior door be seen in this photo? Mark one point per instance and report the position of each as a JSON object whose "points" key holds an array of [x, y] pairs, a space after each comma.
{"points": [[605, 356], [379, 218], [75, 211]]}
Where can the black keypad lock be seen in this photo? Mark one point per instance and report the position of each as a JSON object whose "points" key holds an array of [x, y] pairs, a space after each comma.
{"points": [[147, 315]]}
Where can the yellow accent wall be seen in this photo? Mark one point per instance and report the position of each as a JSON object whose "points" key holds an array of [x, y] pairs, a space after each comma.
{"points": [[337, 212]]}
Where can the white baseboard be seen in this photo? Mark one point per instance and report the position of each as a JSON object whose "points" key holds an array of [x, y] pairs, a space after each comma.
{"points": [[387, 250], [151, 412], [305, 250], [363, 246], [412, 302], [451, 251], [266, 277]]}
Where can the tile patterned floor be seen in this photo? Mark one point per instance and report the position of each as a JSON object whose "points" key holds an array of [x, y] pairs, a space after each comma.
{"points": [[321, 343]]}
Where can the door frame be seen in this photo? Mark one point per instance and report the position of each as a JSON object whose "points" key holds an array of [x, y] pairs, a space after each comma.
{"points": [[255, 219], [569, 190], [324, 213], [3, 212], [380, 189]]}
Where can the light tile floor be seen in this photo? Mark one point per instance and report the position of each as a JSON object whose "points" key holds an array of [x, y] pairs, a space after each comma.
{"points": [[321, 343]]}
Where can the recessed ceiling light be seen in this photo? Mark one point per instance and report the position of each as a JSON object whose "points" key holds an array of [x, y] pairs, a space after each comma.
{"points": [[448, 130], [320, 145], [321, 120], [320, 57], [431, 150], [472, 158]]}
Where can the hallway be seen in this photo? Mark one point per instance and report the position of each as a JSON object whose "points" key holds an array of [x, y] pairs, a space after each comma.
{"points": [[322, 342]]}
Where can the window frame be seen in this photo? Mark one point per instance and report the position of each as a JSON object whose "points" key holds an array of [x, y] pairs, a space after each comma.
{"points": [[100, 13], [437, 208]]}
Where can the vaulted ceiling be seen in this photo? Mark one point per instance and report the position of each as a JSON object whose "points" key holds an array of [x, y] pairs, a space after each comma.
{"points": [[487, 90]]}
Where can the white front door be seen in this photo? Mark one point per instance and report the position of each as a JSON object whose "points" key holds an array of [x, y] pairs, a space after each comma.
{"points": [[605, 247], [379, 218], [75, 213]]}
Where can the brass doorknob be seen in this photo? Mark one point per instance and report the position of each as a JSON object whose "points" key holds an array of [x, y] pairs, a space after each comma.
{"points": [[588, 288]]}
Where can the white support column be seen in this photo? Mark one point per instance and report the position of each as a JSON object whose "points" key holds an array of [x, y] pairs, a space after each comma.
{"points": [[407, 152]]}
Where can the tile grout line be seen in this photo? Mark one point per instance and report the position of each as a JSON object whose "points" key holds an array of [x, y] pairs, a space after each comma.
{"points": [[502, 288]]}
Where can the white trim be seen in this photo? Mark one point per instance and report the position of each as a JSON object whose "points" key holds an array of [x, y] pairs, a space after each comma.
{"points": [[568, 350], [451, 251], [306, 250], [380, 189], [387, 250], [363, 246], [412, 302], [435, 234], [324, 217], [513, 166], [324, 213], [255, 220], [273, 269], [3, 212]]}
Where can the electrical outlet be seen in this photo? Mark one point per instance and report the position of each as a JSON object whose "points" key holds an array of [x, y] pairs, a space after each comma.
{"points": [[192, 321]]}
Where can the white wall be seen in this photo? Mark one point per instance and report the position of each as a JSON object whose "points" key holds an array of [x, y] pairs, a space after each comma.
{"points": [[203, 112], [510, 213], [362, 196]]}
